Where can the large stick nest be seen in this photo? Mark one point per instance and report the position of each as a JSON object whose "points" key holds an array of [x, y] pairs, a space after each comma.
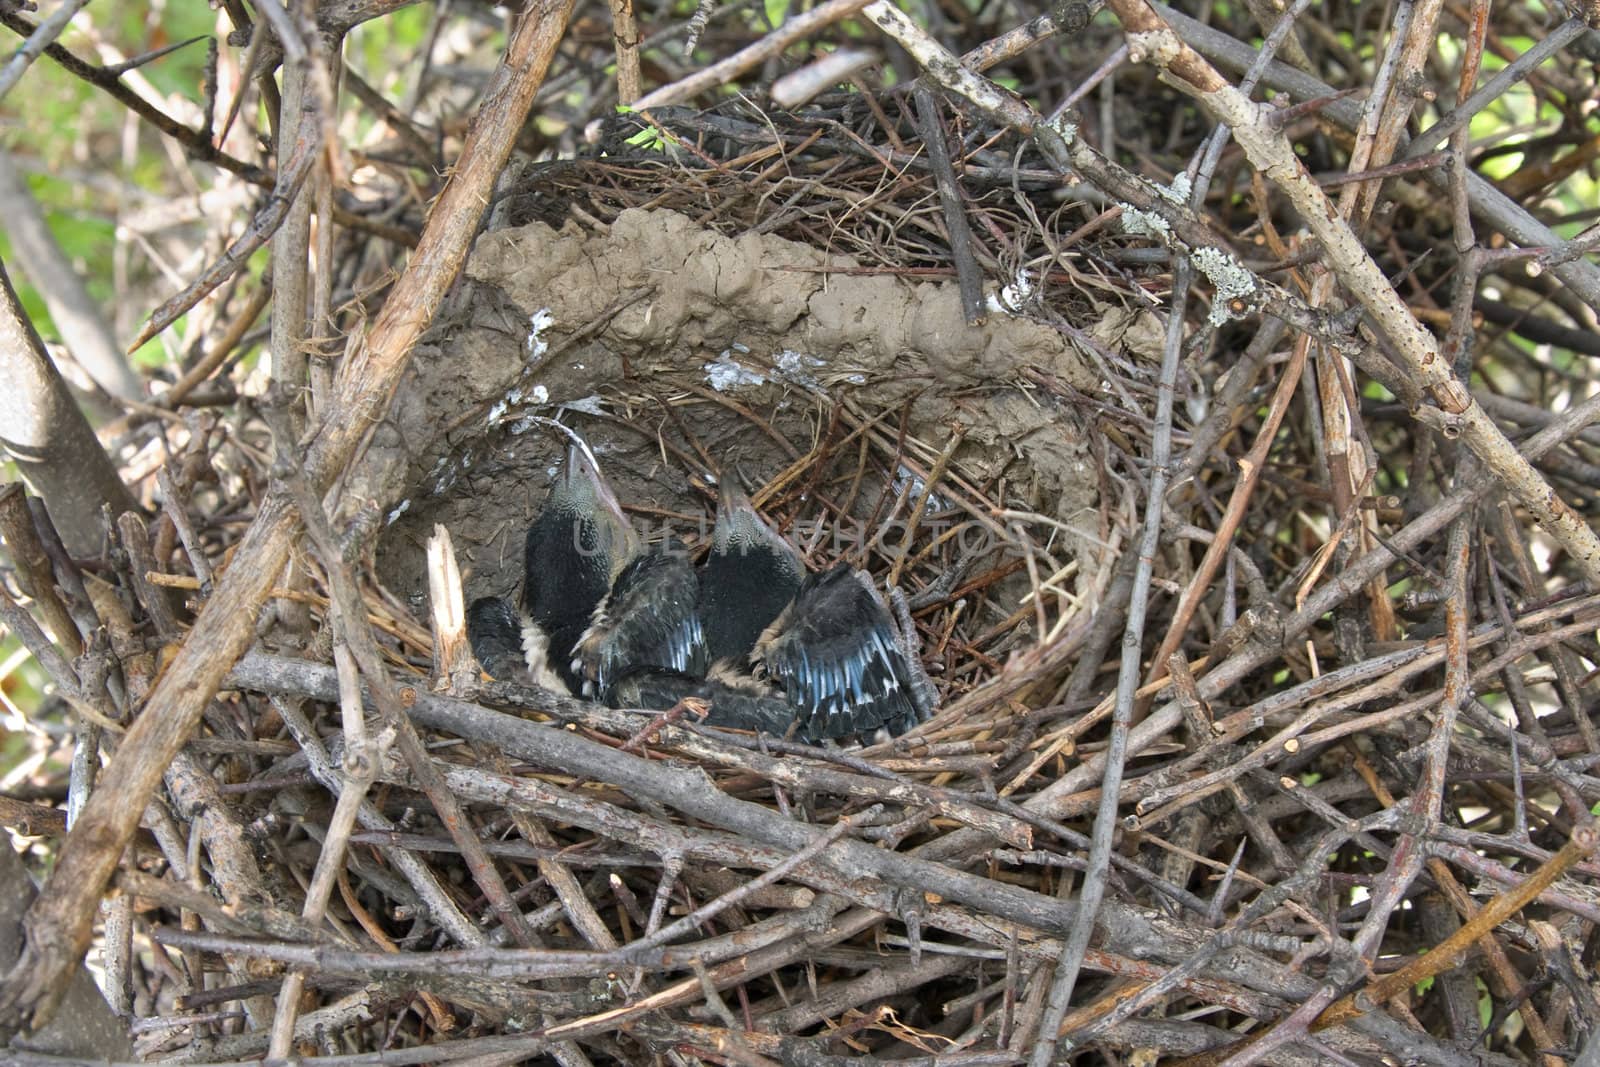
{"points": [[772, 296]]}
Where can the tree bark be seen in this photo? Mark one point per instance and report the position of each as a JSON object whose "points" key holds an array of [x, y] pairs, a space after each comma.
{"points": [[87, 1027], [47, 435]]}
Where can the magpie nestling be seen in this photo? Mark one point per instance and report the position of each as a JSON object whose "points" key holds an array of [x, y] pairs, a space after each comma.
{"points": [[749, 576], [573, 550], [649, 620], [751, 634], [835, 655], [782, 648]]}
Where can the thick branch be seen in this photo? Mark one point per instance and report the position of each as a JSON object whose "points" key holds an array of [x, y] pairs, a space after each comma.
{"points": [[47, 435]]}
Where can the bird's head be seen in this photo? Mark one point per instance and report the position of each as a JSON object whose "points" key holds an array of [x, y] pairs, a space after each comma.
{"points": [[739, 530], [581, 498]]}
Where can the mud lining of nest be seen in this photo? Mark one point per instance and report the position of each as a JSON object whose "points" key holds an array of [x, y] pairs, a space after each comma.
{"points": [[666, 307], [682, 355]]}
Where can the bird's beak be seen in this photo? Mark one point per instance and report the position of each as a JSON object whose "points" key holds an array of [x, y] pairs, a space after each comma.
{"points": [[581, 481], [731, 499], [737, 519]]}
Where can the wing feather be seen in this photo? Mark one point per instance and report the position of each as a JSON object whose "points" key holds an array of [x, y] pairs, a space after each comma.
{"points": [[649, 619], [494, 631], [834, 655]]}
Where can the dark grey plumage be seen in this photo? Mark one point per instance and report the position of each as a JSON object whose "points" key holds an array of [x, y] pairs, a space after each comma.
{"points": [[643, 629], [573, 551], [750, 575], [495, 633], [834, 654], [649, 619]]}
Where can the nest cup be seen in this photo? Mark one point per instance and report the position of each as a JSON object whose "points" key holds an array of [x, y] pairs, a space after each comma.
{"points": [[868, 420]]}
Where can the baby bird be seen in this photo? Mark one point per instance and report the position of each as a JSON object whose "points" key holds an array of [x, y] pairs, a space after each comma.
{"points": [[835, 655], [749, 576], [765, 645], [822, 644], [573, 551], [649, 620]]}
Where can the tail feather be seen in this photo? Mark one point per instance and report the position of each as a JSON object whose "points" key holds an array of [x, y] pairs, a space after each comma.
{"points": [[495, 633]]}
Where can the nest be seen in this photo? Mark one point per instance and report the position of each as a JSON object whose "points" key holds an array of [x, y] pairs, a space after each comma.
{"points": [[639, 888]]}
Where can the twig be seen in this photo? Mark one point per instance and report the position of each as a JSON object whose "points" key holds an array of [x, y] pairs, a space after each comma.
{"points": [[1493, 89], [441, 907], [969, 278], [33, 570], [175, 509], [362, 760], [453, 661], [284, 196], [774, 43], [20, 624], [37, 42], [363, 648], [1250, 468], [1106, 822], [625, 33]]}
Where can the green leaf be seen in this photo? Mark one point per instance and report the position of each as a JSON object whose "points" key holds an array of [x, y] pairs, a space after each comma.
{"points": [[650, 138], [153, 353]]}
